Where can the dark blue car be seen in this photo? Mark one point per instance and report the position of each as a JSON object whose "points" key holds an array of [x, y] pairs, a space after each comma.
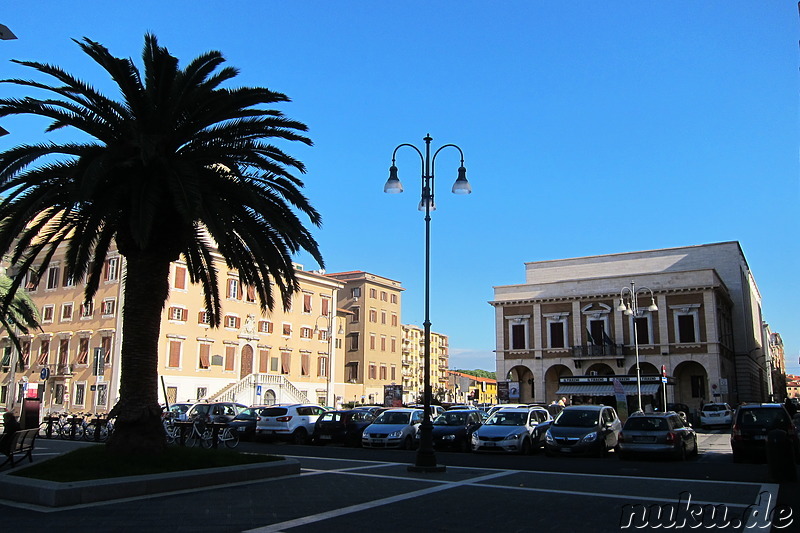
{"points": [[453, 429]]}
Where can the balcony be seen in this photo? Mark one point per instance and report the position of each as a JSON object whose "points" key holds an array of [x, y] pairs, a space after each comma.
{"points": [[591, 351]]}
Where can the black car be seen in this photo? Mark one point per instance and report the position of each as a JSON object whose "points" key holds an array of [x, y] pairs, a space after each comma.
{"points": [[342, 426], [752, 423], [453, 429], [245, 423]]}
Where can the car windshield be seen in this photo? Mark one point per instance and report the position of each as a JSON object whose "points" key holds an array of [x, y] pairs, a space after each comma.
{"points": [[765, 418], [646, 423], [715, 407], [389, 417], [451, 419], [576, 418], [507, 418], [273, 411]]}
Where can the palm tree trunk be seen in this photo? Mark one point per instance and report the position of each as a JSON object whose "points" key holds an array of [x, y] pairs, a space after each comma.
{"points": [[138, 427]]}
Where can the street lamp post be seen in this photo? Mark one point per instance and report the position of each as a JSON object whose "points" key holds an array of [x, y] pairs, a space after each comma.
{"points": [[630, 307], [426, 457]]}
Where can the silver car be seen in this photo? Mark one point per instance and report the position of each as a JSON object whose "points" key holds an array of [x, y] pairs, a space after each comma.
{"points": [[515, 430], [657, 434], [395, 428]]}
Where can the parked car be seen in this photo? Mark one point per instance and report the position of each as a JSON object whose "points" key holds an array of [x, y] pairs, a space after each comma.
{"points": [[516, 430], [215, 411], [752, 423], [342, 426], [716, 414], [454, 429], [374, 410], [395, 428], [493, 409], [179, 410], [293, 422], [436, 410], [657, 434], [583, 429], [245, 423]]}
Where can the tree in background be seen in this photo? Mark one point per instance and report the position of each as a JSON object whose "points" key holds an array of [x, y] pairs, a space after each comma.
{"points": [[178, 168]]}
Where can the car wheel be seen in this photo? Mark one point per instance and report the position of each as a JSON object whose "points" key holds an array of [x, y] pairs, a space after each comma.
{"points": [[300, 436]]}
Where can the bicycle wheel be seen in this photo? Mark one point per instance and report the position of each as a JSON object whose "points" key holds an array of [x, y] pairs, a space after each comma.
{"points": [[230, 438], [194, 438], [43, 428], [88, 433], [206, 439]]}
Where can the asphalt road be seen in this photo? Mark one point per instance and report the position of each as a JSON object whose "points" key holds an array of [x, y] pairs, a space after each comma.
{"points": [[346, 489]]}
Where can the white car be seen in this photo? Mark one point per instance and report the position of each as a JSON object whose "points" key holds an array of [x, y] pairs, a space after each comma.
{"points": [[290, 422], [493, 409], [716, 414], [515, 430], [395, 428]]}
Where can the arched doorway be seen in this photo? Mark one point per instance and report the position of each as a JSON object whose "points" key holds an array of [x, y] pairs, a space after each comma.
{"points": [[646, 369], [247, 361], [691, 384], [551, 383], [269, 397], [527, 387]]}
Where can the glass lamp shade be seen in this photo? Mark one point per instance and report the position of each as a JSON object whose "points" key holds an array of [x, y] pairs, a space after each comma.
{"points": [[621, 306], [393, 185], [653, 306], [421, 206], [462, 186]]}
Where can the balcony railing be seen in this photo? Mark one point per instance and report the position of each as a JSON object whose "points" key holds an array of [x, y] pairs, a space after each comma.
{"points": [[598, 350]]}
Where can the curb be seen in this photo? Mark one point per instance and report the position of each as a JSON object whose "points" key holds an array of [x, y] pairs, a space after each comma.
{"points": [[55, 494]]}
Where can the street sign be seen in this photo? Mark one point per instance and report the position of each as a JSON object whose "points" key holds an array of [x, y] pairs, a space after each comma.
{"points": [[663, 379], [258, 390], [45, 373]]}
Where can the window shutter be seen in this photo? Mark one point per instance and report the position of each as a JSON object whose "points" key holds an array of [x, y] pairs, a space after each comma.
{"points": [[230, 354], [180, 277], [174, 354]]}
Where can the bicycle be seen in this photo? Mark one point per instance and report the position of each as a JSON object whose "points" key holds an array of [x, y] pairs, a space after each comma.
{"points": [[105, 425], [199, 435], [229, 437], [73, 427]]}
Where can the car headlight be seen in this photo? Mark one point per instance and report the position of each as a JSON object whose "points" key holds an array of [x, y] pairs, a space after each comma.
{"points": [[475, 437], [395, 434], [366, 436], [515, 436], [548, 437], [449, 437], [590, 437]]}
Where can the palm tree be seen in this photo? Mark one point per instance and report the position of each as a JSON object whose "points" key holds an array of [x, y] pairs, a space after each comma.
{"points": [[20, 316], [178, 168]]}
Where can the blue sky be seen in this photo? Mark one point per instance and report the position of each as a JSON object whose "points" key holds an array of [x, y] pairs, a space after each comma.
{"points": [[587, 127]]}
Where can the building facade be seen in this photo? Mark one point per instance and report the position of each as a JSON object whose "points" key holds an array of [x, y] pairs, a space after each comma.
{"points": [[371, 352], [414, 365], [287, 355], [469, 389], [560, 333]]}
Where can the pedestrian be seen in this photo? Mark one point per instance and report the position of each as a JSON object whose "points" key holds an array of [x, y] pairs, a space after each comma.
{"points": [[563, 401], [10, 426], [790, 407]]}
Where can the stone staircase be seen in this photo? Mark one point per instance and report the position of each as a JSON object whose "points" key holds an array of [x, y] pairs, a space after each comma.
{"points": [[245, 390]]}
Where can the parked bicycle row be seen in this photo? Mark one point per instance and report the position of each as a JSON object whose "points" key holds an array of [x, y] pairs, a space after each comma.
{"points": [[87, 426]]}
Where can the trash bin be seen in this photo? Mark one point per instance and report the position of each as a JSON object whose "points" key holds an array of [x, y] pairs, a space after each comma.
{"points": [[780, 456], [30, 413]]}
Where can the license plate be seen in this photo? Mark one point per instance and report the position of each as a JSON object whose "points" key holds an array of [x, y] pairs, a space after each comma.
{"points": [[490, 444], [241, 429], [325, 437], [760, 437], [567, 450]]}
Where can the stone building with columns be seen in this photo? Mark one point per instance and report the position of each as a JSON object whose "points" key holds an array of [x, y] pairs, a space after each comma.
{"points": [[560, 333]]}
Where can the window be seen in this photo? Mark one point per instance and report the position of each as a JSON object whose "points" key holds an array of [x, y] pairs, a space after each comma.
{"points": [[44, 352], [394, 319], [519, 340], [263, 361], [393, 374], [686, 329], [87, 309], [47, 313], [325, 305], [83, 351], [202, 392], [642, 324], [698, 384], [307, 303], [80, 394], [174, 360], [233, 288], [383, 343], [373, 371], [322, 366], [264, 326], [372, 338], [111, 269], [66, 312], [354, 341], [383, 371], [53, 275], [204, 318], [393, 298], [373, 315], [557, 335], [69, 281], [273, 364], [286, 358], [383, 317], [180, 277], [306, 332], [108, 307], [383, 296], [25, 358], [394, 345], [250, 294], [355, 292], [205, 357], [230, 356], [31, 281], [178, 313], [101, 396], [304, 364], [352, 371], [105, 346], [287, 330], [355, 317], [58, 393], [373, 293], [233, 321]]}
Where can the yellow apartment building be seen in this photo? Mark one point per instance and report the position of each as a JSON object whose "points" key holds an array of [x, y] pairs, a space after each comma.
{"points": [[414, 364]]}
